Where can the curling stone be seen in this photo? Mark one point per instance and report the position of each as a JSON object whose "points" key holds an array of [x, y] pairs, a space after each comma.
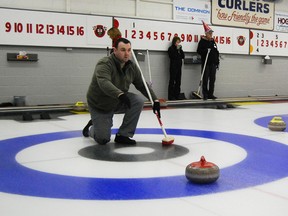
{"points": [[80, 107], [277, 124], [202, 172]]}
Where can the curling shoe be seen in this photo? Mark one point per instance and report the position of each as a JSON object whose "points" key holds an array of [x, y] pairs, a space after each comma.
{"points": [[85, 130], [124, 140], [212, 97]]}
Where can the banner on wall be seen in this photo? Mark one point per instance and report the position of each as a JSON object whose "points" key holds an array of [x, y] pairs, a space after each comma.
{"points": [[281, 21], [268, 43], [157, 35], [35, 28], [192, 11], [243, 13]]}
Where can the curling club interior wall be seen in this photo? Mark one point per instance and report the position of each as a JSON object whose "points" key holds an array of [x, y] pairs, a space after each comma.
{"points": [[62, 74]]}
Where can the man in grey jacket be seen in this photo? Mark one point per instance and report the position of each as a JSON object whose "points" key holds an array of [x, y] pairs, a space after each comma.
{"points": [[108, 94]]}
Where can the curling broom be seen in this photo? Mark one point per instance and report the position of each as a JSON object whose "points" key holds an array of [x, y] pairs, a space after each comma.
{"points": [[197, 94], [167, 140]]}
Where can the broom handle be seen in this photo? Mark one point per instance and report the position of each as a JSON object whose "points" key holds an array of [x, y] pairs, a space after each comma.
{"points": [[203, 70], [149, 69], [162, 127], [148, 91], [143, 79]]}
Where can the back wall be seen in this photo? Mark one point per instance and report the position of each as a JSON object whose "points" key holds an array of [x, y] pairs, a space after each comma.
{"points": [[62, 75]]}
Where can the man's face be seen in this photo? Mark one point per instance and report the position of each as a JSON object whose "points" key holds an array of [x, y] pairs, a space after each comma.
{"points": [[209, 35], [123, 52]]}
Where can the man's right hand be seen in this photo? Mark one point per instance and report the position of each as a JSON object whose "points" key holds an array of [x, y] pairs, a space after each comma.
{"points": [[156, 108], [125, 100]]}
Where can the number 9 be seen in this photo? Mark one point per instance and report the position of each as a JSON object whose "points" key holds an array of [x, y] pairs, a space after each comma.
{"points": [[8, 26]]}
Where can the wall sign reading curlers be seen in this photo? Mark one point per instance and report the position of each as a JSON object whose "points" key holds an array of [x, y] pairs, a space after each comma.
{"points": [[243, 13]]}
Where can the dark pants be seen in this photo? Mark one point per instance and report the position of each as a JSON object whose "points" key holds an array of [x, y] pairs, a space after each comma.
{"points": [[103, 122], [208, 82], [174, 87]]}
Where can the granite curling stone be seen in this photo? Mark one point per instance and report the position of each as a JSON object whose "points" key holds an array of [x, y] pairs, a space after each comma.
{"points": [[277, 124], [202, 172]]}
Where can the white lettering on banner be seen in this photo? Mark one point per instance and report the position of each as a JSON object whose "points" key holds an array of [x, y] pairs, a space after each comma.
{"points": [[243, 13]]}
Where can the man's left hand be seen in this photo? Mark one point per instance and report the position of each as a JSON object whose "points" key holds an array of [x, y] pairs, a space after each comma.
{"points": [[156, 108]]}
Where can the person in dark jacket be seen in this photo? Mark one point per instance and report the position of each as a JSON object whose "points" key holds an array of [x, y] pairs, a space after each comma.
{"points": [[176, 55], [108, 94], [207, 42]]}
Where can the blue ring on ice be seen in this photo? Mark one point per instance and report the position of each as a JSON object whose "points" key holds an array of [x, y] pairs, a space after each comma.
{"points": [[264, 121], [266, 161]]}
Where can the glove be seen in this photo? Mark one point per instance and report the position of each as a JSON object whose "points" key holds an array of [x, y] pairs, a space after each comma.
{"points": [[125, 100], [156, 108]]}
